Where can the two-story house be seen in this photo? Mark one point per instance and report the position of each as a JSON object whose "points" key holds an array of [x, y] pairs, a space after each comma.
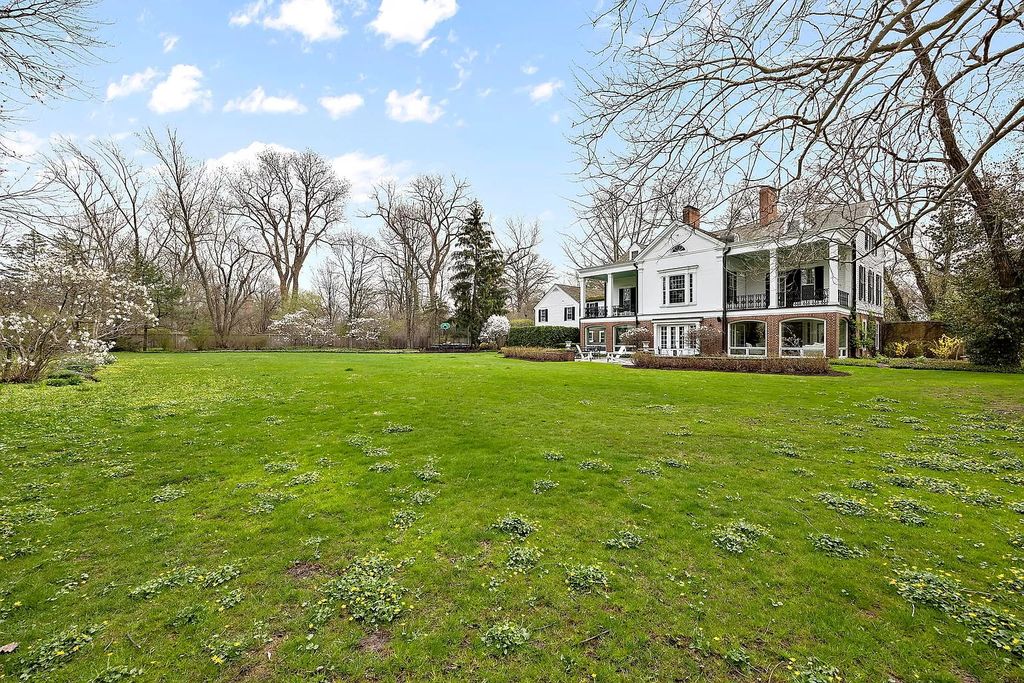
{"points": [[799, 288]]}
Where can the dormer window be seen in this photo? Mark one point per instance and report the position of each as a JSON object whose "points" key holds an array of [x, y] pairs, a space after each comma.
{"points": [[677, 249]]}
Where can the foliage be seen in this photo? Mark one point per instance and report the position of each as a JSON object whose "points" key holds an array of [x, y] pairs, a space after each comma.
{"points": [[52, 306], [538, 354], [58, 650], [738, 536], [303, 328], [368, 591], [506, 637], [843, 505], [899, 349], [787, 365], [835, 547], [544, 485], [583, 578], [522, 558], [546, 336], [477, 275], [623, 540], [495, 330], [596, 465], [947, 347], [364, 331], [637, 336], [515, 526]]}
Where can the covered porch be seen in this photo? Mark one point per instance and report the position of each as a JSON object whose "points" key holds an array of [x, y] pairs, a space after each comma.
{"points": [[609, 292], [819, 273]]}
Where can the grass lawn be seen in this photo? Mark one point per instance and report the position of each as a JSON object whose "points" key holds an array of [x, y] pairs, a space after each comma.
{"points": [[235, 516]]}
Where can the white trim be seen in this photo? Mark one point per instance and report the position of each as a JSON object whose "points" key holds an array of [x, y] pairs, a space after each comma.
{"points": [[760, 351]]}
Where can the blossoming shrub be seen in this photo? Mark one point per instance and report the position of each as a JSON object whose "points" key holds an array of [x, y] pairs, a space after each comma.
{"points": [[54, 307], [365, 331], [303, 328], [495, 330]]}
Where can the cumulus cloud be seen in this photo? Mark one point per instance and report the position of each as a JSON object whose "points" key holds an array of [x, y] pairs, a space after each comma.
{"points": [[543, 92], [338, 106], [182, 88], [414, 106], [365, 171], [313, 19], [258, 102], [22, 144], [411, 21], [131, 84], [246, 155]]}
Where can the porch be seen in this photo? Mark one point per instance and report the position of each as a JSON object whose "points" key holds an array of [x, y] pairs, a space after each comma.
{"points": [[790, 335], [610, 293], [819, 273]]}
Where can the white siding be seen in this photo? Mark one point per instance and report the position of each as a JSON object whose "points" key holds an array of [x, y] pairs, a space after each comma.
{"points": [[701, 257], [556, 301]]}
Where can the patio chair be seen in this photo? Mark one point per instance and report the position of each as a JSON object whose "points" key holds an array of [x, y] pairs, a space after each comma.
{"points": [[619, 354], [583, 355]]}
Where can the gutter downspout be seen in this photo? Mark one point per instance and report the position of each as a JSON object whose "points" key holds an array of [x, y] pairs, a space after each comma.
{"points": [[853, 299], [725, 301]]}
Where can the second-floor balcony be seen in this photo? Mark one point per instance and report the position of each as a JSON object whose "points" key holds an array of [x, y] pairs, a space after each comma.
{"points": [[808, 296], [599, 310]]}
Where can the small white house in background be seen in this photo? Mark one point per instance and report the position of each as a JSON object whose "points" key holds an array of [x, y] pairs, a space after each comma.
{"points": [[560, 306]]}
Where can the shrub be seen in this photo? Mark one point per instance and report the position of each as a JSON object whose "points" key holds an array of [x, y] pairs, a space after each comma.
{"points": [[900, 349], [538, 354], [787, 366], [547, 336], [495, 330], [488, 346], [637, 336], [947, 347]]}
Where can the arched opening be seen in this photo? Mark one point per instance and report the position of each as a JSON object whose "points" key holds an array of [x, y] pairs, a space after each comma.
{"points": [[802, 337], [595, 337], [748, 338]]}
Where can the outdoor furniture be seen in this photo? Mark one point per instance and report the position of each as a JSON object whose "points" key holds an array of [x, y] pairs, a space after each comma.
{"points": [[619, 354], [583, 355]]}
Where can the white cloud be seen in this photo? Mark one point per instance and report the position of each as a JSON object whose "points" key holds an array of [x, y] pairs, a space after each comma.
{"points": [[258, 102], [313, 19], [131, 84], [170, 42], [462, 65], [338, 106], [529, 69], [246, 155], [411, 21], [22, 143], [365, 171], [543, 92], [412, 107], [180, 90], [485, 92]]}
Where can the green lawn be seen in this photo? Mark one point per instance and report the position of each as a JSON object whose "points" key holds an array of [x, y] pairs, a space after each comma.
{"points": [[130, 505]]}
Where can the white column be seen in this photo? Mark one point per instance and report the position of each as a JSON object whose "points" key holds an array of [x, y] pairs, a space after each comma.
{"points": [[583, 299], [608, 294], [833, 273], [773, 278]]}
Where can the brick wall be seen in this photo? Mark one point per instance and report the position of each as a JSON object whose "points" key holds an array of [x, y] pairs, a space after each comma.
{"points": [[773, 326]]}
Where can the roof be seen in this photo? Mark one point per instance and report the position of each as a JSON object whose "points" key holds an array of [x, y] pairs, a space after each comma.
{"points": [[830, 218], [573, 292]]}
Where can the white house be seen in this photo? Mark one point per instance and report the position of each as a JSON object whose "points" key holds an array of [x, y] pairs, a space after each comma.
{"points": [[770, 288], [560, 306]]}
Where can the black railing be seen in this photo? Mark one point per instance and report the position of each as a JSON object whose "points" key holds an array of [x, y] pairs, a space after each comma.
{"points": [[602, 311], [805, 297], [742, 302]]}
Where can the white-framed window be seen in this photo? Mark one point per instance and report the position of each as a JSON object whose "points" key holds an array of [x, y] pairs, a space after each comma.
{"points": [[542, 315], [569, 313], [862, 274], [871, 286], [677, 289], [595, 335], [878, 289], [677, 339]]}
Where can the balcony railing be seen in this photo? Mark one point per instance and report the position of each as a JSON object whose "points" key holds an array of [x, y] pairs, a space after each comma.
{"points": [[602, 311], [742, 302], [805, 297]]}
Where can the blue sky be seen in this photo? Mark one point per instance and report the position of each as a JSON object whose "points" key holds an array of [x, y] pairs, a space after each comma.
{"points": [[389, 88]]}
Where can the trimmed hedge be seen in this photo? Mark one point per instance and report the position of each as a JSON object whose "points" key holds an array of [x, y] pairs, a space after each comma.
{"points": [[776, 366], [547, 336], [923, 364], [538, 354]]}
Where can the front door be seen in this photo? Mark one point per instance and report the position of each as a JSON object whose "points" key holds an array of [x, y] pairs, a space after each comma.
{"points": [[676, 340]]}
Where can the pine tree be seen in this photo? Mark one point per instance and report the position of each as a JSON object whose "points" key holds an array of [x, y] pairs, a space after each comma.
{"points": [[477, 272]]}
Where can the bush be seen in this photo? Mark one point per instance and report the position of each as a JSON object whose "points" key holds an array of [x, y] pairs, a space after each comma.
{"points": [[947, 348], [487, 346], [922, 364], [786, 366], [533, 353], [546, 336]]}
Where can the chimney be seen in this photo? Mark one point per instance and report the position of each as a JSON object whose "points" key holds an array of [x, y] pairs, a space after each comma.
{"points": [[769, 205], [691, 216]]}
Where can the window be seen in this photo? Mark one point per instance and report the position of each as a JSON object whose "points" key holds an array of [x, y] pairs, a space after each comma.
{"points": [[595, 335], [569, 313], [730, 286], [542, 315], [677, 248], [677, 289], [677, 340], [862, 283], [878, 289], [870, 241], [871, 286]]}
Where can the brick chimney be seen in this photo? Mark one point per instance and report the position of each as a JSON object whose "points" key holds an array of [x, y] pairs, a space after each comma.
{"points": [[769, 205], [691, 216]]}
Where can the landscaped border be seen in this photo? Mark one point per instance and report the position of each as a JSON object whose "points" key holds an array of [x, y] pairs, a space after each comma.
{"points": [[773, 366], [923, 364], [538, 354]]}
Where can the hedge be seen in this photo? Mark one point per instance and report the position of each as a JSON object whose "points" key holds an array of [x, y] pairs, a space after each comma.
{"points": [[778, 366], [546, 336], [538, 354], [923, 364]]}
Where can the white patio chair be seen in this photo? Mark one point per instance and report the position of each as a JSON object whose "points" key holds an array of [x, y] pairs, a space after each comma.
{"points": [[583, 355], [619, 354]]}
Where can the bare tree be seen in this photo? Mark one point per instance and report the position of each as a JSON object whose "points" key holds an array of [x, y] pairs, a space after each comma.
{"points": [[353, 262], [294, 201], [41, 43], [527, 273]]}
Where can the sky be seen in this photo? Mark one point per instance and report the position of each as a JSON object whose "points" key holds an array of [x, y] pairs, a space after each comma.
{"points": [[384, 88]]}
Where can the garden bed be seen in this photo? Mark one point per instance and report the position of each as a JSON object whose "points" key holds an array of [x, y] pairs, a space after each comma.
{"points": [[772, 366], [538, 354], [922, 364]]}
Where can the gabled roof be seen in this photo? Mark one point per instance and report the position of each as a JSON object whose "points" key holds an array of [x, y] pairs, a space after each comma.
{"points": [[847, 217], [573, 292], [671, 230]]}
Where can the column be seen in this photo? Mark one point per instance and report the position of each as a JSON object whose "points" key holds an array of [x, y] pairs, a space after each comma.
{"points": [[583, 299], [773, 278], [608, 294], [833, 273]]}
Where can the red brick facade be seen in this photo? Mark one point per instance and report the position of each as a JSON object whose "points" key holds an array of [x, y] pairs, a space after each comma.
{"points": [[773, 324]]}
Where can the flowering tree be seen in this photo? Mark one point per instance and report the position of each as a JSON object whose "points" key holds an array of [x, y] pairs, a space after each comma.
{"points": [[365, 331], [52, 306], [495, 330], [302, 328], [637, 336]]}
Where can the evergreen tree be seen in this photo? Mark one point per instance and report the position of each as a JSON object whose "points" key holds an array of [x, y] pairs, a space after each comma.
{"points": [[478, 269]]}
